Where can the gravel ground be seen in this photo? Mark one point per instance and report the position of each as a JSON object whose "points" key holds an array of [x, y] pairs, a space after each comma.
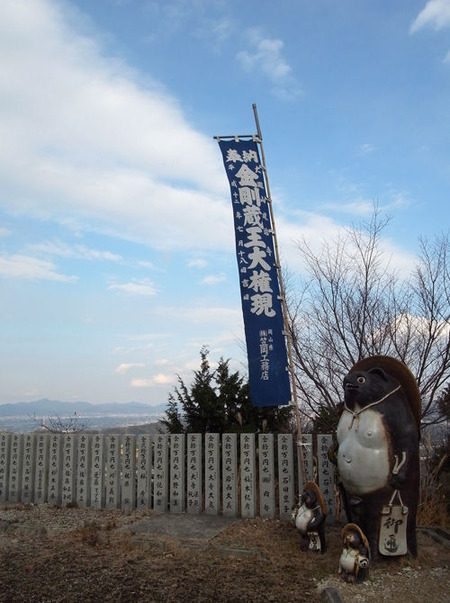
{"points": [[80, 555]]}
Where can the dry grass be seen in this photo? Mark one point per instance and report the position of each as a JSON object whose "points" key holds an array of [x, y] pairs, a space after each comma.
{"points": [[434, 503], [92, 555]]}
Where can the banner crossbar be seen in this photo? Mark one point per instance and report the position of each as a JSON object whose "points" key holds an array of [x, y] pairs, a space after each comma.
{"points": [[253, 137]]}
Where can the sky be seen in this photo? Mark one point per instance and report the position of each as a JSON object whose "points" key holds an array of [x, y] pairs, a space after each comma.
{"points": [[117, 260]]}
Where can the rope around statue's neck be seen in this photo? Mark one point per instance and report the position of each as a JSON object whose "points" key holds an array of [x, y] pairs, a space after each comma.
{"points": [[355, 413], [308, 509]]}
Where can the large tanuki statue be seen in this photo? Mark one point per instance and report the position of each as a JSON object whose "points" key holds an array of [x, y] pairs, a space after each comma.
{"points": [[378, 453]]}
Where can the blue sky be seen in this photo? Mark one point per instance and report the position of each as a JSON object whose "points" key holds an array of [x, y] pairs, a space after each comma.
{"points": [[116, 238]]}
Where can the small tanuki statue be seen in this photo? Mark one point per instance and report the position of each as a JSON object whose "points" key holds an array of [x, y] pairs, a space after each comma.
{"points": [[355, 557], [309, 519], [378, 453]]}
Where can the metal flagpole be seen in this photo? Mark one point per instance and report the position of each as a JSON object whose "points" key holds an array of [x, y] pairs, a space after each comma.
{"points": [[283, 297]]}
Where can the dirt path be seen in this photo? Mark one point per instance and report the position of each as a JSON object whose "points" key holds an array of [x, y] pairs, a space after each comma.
{"points": [[80, 555]]}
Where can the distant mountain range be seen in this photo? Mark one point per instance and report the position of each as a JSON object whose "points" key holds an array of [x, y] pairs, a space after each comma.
{"points": [[47, 407], [27, 416]]}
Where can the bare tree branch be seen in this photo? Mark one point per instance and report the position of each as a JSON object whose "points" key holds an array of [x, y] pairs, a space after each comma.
{"points": [[353, 305], [59, 424]]}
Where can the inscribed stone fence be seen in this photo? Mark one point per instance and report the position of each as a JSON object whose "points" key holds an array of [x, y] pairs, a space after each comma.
{"points": [[244, 475]]}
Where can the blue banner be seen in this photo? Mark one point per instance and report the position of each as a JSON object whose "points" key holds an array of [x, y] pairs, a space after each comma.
{"points": [[258, 275]]}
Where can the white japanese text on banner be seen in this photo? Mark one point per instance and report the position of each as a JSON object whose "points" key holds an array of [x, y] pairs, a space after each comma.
{"points": [[258, 275]]}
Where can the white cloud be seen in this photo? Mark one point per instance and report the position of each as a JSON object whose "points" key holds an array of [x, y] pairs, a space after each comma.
{"points": [[136, 287], [197, 263], [146, 337], [147, 265], [214, 279], [124, 367], [141, 383], [162, 379], [86, 139], [159, 379], [266, 56], [313, 227], [435, 14], [357, 207], [398, 259], [403, 323], [27, 267], [162, 362], [203, 314], [366, 149], [216, 31], [317, 230], [60, 249]]}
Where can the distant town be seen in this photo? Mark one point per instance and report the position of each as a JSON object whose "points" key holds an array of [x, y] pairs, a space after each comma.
{"points": [[24, 417]]}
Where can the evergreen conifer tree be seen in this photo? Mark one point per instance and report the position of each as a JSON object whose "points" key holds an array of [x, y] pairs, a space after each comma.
{"points": [[218, 401]]}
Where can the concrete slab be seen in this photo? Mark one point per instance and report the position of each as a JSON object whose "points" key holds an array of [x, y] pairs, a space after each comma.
{"points": [[185, 526]]}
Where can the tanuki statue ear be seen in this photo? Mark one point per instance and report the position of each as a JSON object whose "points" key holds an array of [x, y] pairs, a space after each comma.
{"points": [[380, 372]]}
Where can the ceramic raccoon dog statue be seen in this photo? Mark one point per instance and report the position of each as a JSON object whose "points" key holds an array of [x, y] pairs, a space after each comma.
{"points": [[309, 519], [378, 452]]}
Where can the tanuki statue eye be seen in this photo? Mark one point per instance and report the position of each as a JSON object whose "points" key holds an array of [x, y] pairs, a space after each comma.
{"points": [[361, 379]]}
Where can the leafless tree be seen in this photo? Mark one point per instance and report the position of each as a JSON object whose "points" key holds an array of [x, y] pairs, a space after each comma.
{"points": [[353, 304], [59, 424]]}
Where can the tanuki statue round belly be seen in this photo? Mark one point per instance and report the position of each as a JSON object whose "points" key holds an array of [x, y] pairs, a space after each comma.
{"points": [[378, 453]]}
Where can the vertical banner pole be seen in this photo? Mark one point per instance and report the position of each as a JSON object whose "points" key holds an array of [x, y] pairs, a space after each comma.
{"points": [[283, 297]]}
